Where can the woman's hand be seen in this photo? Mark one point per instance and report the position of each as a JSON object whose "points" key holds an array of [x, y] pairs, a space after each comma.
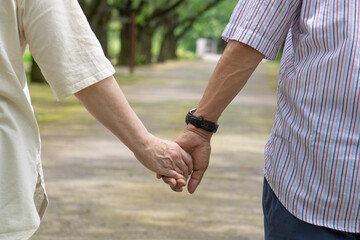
{"points": [[166, 158], [106, 102], [197, 143]]}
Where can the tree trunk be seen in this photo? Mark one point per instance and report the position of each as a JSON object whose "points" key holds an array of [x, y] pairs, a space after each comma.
{"points": [[172, 48], [143, 43], [98, 14], [36, 75], [123, 58], [101, 33], [169, 42], [144, 55], [168, 47]]}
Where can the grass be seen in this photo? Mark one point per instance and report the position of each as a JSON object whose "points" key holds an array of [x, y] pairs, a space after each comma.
{"points": [[49, 111], [185, 54]]}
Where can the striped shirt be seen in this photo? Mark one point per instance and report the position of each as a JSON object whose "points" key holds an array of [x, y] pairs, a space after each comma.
{"points": [[312, 154]]}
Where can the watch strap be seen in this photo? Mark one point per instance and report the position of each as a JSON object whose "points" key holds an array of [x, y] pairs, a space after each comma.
{"points": [[200, 122]]}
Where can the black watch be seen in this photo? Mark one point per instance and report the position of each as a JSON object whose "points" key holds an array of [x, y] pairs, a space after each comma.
{"points": [[199, 122]]}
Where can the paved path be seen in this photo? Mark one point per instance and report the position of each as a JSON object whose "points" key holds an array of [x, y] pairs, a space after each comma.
{"points": [[98, 190]]}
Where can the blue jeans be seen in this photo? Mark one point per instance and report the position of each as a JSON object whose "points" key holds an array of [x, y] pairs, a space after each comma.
{"points": [[279, 224]]}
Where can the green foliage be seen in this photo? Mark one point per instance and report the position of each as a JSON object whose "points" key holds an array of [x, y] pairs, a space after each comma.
{"points": [[156, 43], [114, 43], [27, 57], [182, 53], [278, 57], [210, 25]]}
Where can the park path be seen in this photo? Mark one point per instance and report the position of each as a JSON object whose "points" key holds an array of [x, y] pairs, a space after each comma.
{"points": [[98, 190]]}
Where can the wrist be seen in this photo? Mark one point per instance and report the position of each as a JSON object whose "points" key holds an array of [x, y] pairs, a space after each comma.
{"points": [[141, 143], [198, 121], [209, 116], [204, 134]]}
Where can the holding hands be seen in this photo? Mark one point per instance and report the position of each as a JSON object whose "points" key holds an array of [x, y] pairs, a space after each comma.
{"points": [[196, 142], [167, 159], [174, 162], [106, 102]]}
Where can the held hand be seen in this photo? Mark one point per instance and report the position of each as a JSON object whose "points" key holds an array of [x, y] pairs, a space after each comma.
{"points": [[197, 143], [167, 159]]}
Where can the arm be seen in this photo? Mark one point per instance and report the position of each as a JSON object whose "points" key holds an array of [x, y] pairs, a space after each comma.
{"points": [[233, 70], [106, 102]]}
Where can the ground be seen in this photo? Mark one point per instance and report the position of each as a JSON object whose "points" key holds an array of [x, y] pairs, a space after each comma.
{"points": [[98, 190]]}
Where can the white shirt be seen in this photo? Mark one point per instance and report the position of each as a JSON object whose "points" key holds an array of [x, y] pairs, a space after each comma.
{"points": [[71, 58]]}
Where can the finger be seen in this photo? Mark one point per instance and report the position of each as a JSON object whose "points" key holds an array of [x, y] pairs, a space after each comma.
{"points": [[183, 168], [173, 184], [173, 174], [158, 176], [195, 180], [179, 186], [170, 181], [175, 170], [188, 160], [180, 183], [178, 189], [180, 162]]}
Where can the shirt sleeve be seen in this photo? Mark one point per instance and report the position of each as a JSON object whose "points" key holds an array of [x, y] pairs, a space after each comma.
{"points": [[64, 46], [262, 24]]}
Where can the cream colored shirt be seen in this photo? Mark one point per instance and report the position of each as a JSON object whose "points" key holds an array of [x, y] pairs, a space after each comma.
{"points": [[71, 58]]}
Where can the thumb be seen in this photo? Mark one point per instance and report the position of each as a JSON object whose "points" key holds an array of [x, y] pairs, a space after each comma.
{"points": [[195, 180]]}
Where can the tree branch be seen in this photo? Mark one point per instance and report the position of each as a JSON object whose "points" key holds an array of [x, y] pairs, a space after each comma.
{"points": [[161, 12], [140, 6], [101, 9], [188, 22]]}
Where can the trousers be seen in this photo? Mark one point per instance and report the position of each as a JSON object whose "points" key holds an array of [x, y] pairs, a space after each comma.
{"points": [[280, 224]]}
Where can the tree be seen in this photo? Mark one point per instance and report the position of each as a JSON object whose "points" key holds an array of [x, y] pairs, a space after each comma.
{"points": [[179, 23], [125, 8], [98, 14], [210, 25], [150, 14]]}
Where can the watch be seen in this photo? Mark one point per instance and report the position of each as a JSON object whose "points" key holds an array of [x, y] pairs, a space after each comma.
{"points": [[199, 122]]}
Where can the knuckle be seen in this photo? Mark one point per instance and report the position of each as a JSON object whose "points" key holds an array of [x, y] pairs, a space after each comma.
{"points": [[174, 154]]}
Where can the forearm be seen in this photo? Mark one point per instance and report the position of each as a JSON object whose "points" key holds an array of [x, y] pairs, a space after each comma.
{"points": [[233, 70], [106, 102]]}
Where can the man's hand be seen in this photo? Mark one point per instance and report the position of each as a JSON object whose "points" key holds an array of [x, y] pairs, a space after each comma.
{"points": [[197, 143], [167, 159], [232, 71]]}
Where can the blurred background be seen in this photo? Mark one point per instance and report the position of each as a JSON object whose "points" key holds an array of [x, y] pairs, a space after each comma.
{"points": [[138, 32], [164, 52]]}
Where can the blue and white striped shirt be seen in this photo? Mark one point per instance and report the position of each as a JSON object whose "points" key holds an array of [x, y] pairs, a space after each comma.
{"points": [[312, 157]]}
